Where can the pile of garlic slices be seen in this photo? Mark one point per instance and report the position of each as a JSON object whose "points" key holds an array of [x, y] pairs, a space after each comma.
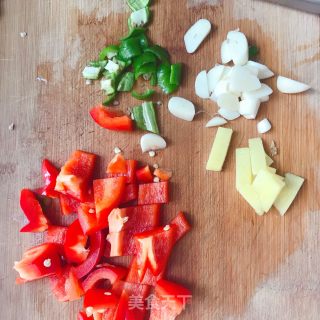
{"points": [[238, 90]]}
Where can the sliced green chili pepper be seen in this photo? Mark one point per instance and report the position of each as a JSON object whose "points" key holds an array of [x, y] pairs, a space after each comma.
{"points": [[139, 18], [126, 82], [145, 117], [253, 51], [137, 4], [130, 48], [98, 64], [143, 40], [161, 53], [109, 100], [153, 79], [146, 57], [144, 95], [146, 68], [163, 77], [91, 73], [108, 52], [175, 74], [134, 33]]}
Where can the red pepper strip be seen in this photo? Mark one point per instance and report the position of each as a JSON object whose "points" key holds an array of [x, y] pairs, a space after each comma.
{"points": [[162, 174], [38, 262], [33, 211], [56, 234], [97, 243], [82, 316], [66, 286], [49, 174], [75, 176], [75, 244], [111, 273], [125, 223], [144, 175], [107, 196], [87, 218], [127, 308], [131, 171], [130, 193], [182, 226], [165, 308], [117, 166], [68, 204], [99, 300], [153, 193], [111, 119]]}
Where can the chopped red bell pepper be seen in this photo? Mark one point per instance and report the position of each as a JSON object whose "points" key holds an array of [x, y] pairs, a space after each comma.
{"points": [[130, 193], [87, 218], [75, 244], [110, 273], [107, 196], [163, 174], [56, 234], [181, 225], [49, 174], [153, 193], [144, 175], [125, 223], [68, 204], [75, 176], [96, 250], [38, 262], [131, 171], [169, 300], [117, 166], [33, 211], [66, 286], [111, 119], [99, 300]]}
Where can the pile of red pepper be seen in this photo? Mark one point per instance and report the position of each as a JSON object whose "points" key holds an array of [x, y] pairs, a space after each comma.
{"points": [[117, 216]]}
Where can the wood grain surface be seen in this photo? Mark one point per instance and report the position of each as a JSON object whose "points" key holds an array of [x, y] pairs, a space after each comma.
{"points": [[239, 265]]}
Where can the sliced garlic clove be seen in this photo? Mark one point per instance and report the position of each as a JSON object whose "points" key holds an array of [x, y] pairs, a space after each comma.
{"points": [[152, 142], [201, 85], [226, 54], [287, 85], [228, 101], [181, 108], [214, 75], [249, 108], [264, 126], [196, 34], [263, 71], [239, 48], [241, 79], [221, 87], [263, 91], [216, 121], [228, 114]]}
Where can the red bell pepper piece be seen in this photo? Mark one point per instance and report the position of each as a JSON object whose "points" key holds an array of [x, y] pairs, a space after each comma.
{"points": [[131, 171], [56, 234], [66, 286], [110, 272], [87, 218], [33, 211], [169, 300], [144, 175], [153, 193], [111, 119], [38, 262], [75, 244], [49, 174], [99, 300], [68, 204], [130, 193], [75, 176], [96, 250], [163, 174], [117, 166], [181, 225], [125, 223], [107, 196]]}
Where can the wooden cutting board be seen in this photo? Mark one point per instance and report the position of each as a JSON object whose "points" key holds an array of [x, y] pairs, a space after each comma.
{"points": [[239, 265]]}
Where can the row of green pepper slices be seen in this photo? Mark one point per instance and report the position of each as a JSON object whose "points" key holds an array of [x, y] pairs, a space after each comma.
{"points": [[118, 215]]}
